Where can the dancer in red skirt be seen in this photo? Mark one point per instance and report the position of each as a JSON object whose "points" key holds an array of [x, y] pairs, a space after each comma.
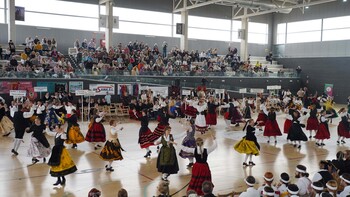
{"points": [[190, 111], [145, 133], [343, 127], [96, 133], [262, 116], [211, 117], [200, 170], [271, 126], [312, 122], [164, 115], [288, 122], [323, 130]]}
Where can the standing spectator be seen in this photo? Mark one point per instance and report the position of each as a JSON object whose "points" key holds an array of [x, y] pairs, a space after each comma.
{"points": [[108, 98], [165, 45], [12, 47], [77, 44], [298, 69], [0, 52]]}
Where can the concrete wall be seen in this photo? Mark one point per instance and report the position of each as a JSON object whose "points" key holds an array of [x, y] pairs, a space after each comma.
{"points": [[319, 71]]}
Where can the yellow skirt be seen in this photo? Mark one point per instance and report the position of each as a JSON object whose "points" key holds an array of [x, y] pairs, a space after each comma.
{"points": [[6, 125], [74, 135], [246, 147], [67, 165], [112, 151], [32, 119]]}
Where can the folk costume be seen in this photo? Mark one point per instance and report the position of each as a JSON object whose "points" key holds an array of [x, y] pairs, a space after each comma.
{"points": [[235, 114], [51, 118], [6, 125], [295, 133], [343, 127], [271, 127], [167, 161], [145, 134], [21, 122], [190, 142], [200, 170], [312, 122], [60, 161], [289, 121], [74, 135], [200, 122], [211, 117], [96, 133], [323, 130], [112, 150], [164, 116], [262, 116], [190, 111], [39, 146], [248, 144]]}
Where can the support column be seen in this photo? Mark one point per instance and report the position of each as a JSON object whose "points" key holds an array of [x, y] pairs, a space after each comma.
{"points": [[11, 25], [244, 38], [109, 24], [184, 20]]}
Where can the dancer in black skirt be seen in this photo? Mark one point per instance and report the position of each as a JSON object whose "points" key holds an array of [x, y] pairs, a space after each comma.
{"points": [[343, 127], [295, 133]]}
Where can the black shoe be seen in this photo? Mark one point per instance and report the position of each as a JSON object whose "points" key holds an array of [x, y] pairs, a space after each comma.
{"points": [[99, 146], [343, 142], [34, 160], [110, 169], [275, 141], [322, 144], [338, 142], [148, 154], [237, 125], [318, 144], [251, 163], [189, 165], [310, 136], [268, 141], [245, 164], [95, 147], [299, 147], [57, 183], [44, 160], [294, 145], [63, 181], [75, 146], [14, 152]]}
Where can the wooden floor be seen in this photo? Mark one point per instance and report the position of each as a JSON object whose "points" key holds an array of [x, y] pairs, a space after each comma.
{"points": [[139, 176]]}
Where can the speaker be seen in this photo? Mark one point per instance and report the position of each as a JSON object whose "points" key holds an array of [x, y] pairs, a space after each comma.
{"points": [[179, 28]]}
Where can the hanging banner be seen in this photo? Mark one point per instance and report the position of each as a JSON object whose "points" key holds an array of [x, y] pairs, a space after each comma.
{"points": [[243, 90], [18, 93], [6, 86], [53, 87], [75, 85], [40, 89], [102, 89], [186, 92], [328, 89], [125, 89]]}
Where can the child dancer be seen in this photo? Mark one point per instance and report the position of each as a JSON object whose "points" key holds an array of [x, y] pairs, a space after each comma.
{"points": [[96, 133], [296, 133], [74, 136], [271, 126], [211, 117], [145, 133], [312, 122], [343, 127], [323, 130], [39, 146], [248, 144], [112, 149], [190, 142], [200, 122], [60, 161]]}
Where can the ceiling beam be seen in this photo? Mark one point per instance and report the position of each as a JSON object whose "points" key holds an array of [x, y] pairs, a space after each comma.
{"points": [[196, 5], [282, 8]]}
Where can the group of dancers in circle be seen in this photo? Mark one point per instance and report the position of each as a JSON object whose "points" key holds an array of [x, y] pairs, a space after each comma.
{"points": [[201, 112]]}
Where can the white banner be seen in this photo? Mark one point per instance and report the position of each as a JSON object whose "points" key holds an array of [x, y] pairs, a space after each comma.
{"points": [[186, 92], [219, 91], [40, 89], [85, 93], [18, 93], [275, 87], [102, 89], [256, 90], [243, 90]]}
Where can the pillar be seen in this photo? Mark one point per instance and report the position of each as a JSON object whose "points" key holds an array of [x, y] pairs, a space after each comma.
{"points": [[184, 21], [244, 38], [109, 24], [11, 21]]}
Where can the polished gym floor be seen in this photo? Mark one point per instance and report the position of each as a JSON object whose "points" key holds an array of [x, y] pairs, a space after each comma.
{"points": [[139, 175]]}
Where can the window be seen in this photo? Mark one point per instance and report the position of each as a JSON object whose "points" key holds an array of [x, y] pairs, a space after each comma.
{"points": [[134, 15], [208, 34], [336, 34], [303, 26], [143, 29], [281, 33], [2, 3], [58, 21], [258, 33], [336, 22], [304, 31], [59, 7], [337, 28], [2, 15], [312, 36], [208, 23]]}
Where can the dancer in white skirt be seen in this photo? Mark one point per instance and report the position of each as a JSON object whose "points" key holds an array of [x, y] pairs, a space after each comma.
{"points": [[201, 123], [39, 146]]}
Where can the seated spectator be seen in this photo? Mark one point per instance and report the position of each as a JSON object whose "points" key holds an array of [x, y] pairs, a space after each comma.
{"points": [[191, 193], [207, 188], [163, 189], [303, 182], [250, 181], [345, 181], [293, 190], [323, 175], [332, 187], [268, 177], [122, 193], [317, 188], [283, 185], [94, 193], [268, 192], [269, 57]]}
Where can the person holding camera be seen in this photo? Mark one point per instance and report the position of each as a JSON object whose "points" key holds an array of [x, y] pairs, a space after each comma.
{"points": [[323, 175]]}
